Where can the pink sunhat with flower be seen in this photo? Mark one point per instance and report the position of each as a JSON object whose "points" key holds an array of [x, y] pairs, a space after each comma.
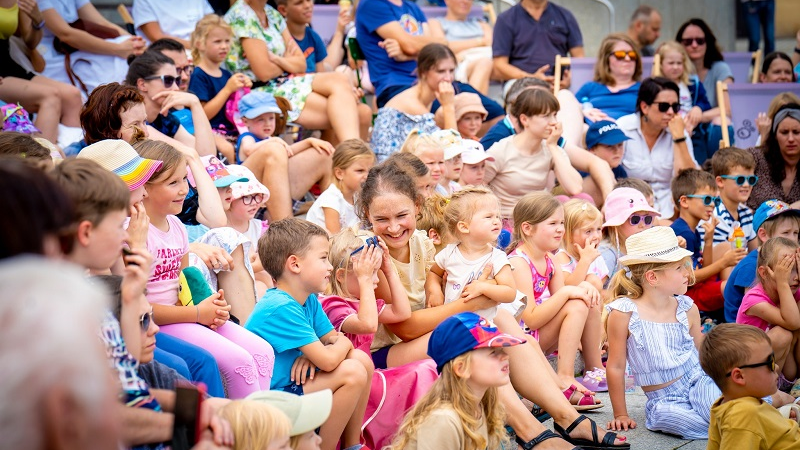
{"points": [[623, 202], [244, 188]]}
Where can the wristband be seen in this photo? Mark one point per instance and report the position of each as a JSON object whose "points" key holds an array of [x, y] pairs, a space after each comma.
{"points": [[797, 50], [40, 25], [561, 142], [679, 140]]}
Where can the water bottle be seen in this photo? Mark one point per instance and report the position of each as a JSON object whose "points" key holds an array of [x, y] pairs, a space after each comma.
{"points": [[738, 240], [629, 383], [586, 104]]}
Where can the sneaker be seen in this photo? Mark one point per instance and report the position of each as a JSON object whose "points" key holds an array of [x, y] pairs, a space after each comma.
{"points": [[595, 380]]}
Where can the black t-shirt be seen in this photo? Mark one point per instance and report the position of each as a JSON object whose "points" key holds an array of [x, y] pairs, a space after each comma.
{"points": [[169, 125]]}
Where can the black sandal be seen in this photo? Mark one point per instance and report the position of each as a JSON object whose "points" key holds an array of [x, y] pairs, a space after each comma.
{"points": [[594, 443], [545, 435]]}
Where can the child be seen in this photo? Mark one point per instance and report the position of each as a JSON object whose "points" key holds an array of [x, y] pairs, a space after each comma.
{"points": [[772, 219], [298, 14], [256, 425], [473, 164], [431, 220], [454, 146], [605, 140], [675, 66], [295, 253], [470, 115], [473, 219], [561, 321], [462, 409], [771, 304], [580, 261], [429, 148], [694, 192], [740, 361], [333, 209], [306, 413], [245, 361], [419, 172]]}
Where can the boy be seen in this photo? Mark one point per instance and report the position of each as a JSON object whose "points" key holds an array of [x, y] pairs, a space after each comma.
{"points": [[473, 164], [772, 219], [298, 15], [470, 115], [605, 140], [739, 359], [291, 319], [694, 192]]}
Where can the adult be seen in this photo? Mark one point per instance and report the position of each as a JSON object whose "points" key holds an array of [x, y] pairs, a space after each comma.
{"points": [[174, 50], [264, 50], [759, 15], [411, 109], [175, 19], [644, 29], [529, 35], [470, 38], [709, 65], [777, 160], [777, 68], [96, 60], [659, 146], [617, 72]]}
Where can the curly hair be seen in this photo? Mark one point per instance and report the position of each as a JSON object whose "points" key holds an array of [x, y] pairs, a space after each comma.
{"points": [[100, 116]]}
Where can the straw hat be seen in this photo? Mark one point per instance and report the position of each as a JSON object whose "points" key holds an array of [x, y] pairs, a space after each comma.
{"points": [[654, 245]]}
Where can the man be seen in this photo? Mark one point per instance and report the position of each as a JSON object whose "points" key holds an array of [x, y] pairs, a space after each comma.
{"points": [[175, 51], [645, 28]]}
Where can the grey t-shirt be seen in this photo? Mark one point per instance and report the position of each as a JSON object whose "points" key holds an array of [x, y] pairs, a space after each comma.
{"points": [[719, 71]]}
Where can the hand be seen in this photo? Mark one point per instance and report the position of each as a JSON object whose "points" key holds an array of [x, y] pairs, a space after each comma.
{"points": [[344, 18], [137, 272], [764, 125], [435, 299], [446, 94], [387, 266], [208, 310], [217, 432], [540, 74], [782, 269], [366, 262], [302, 369], [223, 310], [592, 293], [677, 127], [392, 48], [566, 78], [138, 227], [588, 252], [621, 423], [693, 118], [323, 147], [473, 290], [596, 115], [176, 98], [215, 258], [31, 9], [709, 226], [552, 140], [733, 256], [681, 242], [131, 46], [236, 82]]}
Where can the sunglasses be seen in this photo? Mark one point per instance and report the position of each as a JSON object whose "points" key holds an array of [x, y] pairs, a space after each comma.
{"points": [[168, 80], [741, 179], [621, 54], [708, 200], [249, 199], [688, 41], [188, 69], [664, 106], [636, 218], [373, 241], [770, 362], [146, 320]]}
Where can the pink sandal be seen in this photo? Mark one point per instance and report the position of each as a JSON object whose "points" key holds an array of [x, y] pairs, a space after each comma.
{"points": [[585, 403]]}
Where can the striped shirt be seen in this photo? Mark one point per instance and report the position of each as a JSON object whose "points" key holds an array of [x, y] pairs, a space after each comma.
{"points": [[724, 228]]}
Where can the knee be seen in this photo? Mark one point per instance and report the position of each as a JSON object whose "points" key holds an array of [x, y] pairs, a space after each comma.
{"points": [[781, 338], [48, 97], [576, 307], [271, 153], [70, 94], [352, 372], [364, 114], [364, 359], [338, 80]]}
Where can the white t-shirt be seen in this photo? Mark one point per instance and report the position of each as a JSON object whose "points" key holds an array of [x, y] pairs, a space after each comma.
{"points": [[175, 17], [332, 198]]}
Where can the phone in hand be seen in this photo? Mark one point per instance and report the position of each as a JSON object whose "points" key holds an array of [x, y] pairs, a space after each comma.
{"points": [[186, 428]]}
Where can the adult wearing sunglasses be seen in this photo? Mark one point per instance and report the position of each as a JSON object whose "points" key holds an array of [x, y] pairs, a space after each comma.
{"points": [[777, 160], [659, 146], [617, 72], [701, 45]]}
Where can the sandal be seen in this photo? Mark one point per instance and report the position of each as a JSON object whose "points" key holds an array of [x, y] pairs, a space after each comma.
{"points": [[585, 403], [594, 443], [595, 380], [543, 436]]}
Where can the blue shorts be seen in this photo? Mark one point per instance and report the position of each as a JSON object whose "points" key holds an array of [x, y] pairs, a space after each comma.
{"points": [[296, 389], [379, 357]]}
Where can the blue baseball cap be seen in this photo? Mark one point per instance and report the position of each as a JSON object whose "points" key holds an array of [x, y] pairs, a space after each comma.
{"points": [[257, 103], [464, 332], [770, 209], [604, 132]]}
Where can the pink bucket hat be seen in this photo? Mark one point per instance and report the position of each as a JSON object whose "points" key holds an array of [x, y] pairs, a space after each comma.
{"points": [[622, 203], [249, 187]]}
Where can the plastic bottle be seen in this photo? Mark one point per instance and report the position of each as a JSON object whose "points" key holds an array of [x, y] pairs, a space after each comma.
{"points": [[586, 104], [738, 240], [630, 386], [345, 5]]}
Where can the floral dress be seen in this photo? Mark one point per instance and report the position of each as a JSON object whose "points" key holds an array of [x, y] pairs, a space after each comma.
{"points": [[245, 24]]}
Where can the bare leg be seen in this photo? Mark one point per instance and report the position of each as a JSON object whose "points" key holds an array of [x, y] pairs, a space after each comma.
{"points": [[352, 431], [364, 120], [270, 163], [406, 352], [331, 105], [70, 96], [307, 168], [478, 74], [522, 421], [571, 117], [781, 340], [590, 341], [564, 332], [35, 98], [238, 286]]}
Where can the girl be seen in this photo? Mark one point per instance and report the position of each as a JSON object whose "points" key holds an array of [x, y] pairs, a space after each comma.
{"points": [[333, 209], [213, 84], [429, 148], [676, 67], [462, 410], [559, 322], [473, 219], [772, 303], [580, 261], [431, 221], [257, 425], [416, 169], [244, 359]]}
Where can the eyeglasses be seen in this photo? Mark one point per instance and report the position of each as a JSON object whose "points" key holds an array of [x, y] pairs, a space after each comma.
{"points": [[188, 69], [688, 41], [741, 179], [770, 362], [369, 243], [664, 106], [636, 218], [621, 54], [707, 199], [249, 199], [146, 320], [168, 80]]}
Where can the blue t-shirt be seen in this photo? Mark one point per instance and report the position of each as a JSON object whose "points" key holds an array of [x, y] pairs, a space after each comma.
{"points": [[169, 124], [287, 325], [614, 104], [313, 49], [206, 87], [497, 133], [681, 228], [741, 278], [383, 70]]}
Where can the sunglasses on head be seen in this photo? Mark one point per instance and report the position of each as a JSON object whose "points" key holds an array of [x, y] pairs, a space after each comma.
{"points": [[621, 54], [708, 200], [168, 80], [249, 199], [770, 362], [636, 218], [665, 106], [146, 320], [373, 241], [741, 179], [688, 41]]}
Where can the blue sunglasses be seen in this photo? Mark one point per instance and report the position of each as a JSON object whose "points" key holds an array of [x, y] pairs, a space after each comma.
{"points": [[373, 241], [708, 200], [740, 179]]}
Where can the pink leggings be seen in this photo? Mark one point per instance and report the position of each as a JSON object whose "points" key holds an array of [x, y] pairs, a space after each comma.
{"points": [[244, 359]]}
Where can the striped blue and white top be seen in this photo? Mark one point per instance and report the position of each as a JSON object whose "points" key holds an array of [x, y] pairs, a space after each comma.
{"points": [[725, 226]]}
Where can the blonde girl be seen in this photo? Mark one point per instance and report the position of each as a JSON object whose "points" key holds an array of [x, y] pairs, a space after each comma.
{"points": [[473, 219], [431, 220], [559, 322], [257, 425], [580, 261], [429, 148], [244, 359], [462, 411], [333, 209], [677, 67]]}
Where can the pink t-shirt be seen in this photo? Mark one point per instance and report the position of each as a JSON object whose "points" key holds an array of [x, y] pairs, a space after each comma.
{"points": [[338, 309], [751, 298], [167, 249]]}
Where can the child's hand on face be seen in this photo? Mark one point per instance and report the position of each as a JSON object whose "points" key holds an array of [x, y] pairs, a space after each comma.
{"points": [[709, 226], [137, 269], [782, 269], [365, 262], [589, 251], [138, 227]]}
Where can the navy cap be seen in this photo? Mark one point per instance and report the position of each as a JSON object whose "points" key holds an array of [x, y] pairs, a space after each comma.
{"points": [[770, 209], [464, 332], [604, 132]]}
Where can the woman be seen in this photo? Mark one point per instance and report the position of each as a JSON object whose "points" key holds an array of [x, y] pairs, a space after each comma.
{"points": [[114, 111], [777, 68], [701, 45], [411, 109], [264, 50], [612, 94], [659, 146], [777, 160], [470, 39]]}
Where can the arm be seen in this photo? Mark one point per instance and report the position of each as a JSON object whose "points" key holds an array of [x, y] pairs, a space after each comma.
{"points": [[332, 223], [234, 83], [682, 158], [203, 139], [327, 357], [567, 176], [615, 369], [708, 240], [695, 328], [85, 41], [501, 290], [90, 13], [787, 314], [729, 259], [433, 286], [153, 32], [324, 147], [598, 169], [292, 60], [263, 67], [400, 308], [142, 426], [509, 72], [410, 45], [425, 320], [210, 212], [336, 47], [366, 321], [212, 312], [29, 15], [577, 52], [535, 316], [457, 46]]}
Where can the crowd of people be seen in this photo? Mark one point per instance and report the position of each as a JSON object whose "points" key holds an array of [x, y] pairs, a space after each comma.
{"points": [[260, 249]]}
